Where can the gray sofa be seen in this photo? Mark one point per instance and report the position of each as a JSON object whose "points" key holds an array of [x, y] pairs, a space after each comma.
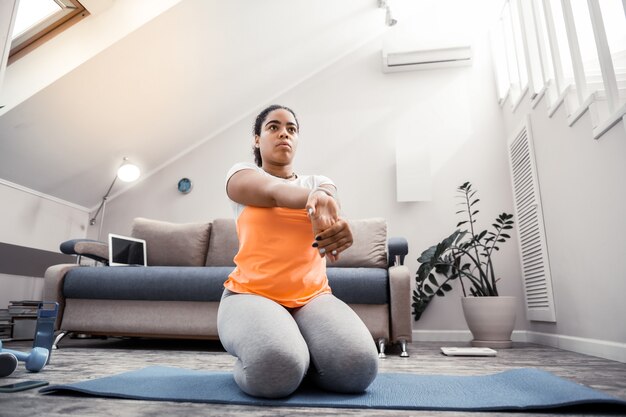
{"points": [[178, 294]]}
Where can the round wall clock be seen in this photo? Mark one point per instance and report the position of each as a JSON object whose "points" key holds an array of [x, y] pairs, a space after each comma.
{"points": [[185, 185]]}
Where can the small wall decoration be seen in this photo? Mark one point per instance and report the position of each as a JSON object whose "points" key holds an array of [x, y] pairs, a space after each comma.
{"points": [[185, 185]]}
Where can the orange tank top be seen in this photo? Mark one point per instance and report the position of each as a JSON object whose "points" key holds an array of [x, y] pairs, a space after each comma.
{"points": [[276, 259]]}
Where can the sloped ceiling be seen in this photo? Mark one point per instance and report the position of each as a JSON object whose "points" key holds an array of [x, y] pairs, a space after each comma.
{"points": [[178, 80], [182, 78]]}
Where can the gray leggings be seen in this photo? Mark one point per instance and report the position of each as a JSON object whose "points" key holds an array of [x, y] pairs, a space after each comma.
{"points": [[276, 346]]}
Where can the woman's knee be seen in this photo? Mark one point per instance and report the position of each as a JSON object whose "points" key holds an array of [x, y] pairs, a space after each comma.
{"points": [[272, 372], [350, 369], [342, 349], [272, 354]]}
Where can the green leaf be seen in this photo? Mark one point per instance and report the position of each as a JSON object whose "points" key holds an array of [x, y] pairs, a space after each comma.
{"points": [[507, 227], [423, 271], [427, 255], [474, 202], [504, 235], [440, 293], [443, 268], [461, 223], [446, 287], [428, 289], [432, 279]]}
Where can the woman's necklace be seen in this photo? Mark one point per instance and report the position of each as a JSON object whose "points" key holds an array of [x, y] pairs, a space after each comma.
{"points": [[293, 175], [288, 177]]}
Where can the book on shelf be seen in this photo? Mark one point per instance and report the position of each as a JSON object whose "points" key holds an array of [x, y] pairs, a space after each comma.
{"points": [[6, 326], [24, 308]]}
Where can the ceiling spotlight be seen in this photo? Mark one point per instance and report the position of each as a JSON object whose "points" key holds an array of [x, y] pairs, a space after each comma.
{"points": [[389, 20]]}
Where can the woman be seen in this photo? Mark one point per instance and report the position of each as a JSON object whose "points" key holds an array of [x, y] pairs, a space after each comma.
{"points": [[278, 315]]}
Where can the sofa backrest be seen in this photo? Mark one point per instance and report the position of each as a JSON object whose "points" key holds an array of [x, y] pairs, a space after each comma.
{"points": [[224, 244], [216, 243], [173, 244], [369, 249]]}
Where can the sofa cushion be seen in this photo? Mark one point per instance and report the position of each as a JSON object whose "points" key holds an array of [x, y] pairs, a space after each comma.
{"points": [[359, 285], [370, 245], [156, 283], [166, 283], [224, 244], [173, 244]]}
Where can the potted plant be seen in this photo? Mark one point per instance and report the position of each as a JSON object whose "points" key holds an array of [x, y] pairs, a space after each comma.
{"points": [[466, 256]]}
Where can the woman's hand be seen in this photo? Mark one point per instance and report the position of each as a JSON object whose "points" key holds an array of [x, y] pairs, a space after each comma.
{"points": [[332, 234], [323, 210], [335, 239]]}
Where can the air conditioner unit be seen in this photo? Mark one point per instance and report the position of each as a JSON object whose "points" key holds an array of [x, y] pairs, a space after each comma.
{"points": [[457, 56]]}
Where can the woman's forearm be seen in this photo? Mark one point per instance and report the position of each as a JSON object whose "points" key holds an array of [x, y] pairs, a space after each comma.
{"points": [[288, 196]]}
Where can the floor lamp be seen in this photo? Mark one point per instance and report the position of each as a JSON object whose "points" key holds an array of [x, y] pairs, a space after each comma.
{"points": [[127, 172]]}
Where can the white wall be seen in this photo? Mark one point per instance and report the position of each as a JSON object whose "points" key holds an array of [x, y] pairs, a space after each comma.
{"points": [[582, 183], [34, 221], [37, 221], [351, 115]]}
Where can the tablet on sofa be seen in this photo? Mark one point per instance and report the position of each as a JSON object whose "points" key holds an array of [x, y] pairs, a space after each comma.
{"points": [[124, 250]]}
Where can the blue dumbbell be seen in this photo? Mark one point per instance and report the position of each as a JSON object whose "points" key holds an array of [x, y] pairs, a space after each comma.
{"points": [[34, 361], [8, 363]]}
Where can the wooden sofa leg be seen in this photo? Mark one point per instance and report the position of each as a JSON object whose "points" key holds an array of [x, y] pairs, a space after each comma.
{"points": [[404, 353], [381, 348]]}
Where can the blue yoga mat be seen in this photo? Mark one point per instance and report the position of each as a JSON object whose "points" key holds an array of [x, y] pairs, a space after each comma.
{"points": [[517, 389]]}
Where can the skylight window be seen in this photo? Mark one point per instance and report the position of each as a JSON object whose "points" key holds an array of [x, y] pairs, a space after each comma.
{"points": [[39, 20], [31, 13]]}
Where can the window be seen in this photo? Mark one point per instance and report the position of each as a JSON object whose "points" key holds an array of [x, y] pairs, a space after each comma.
{"points": [[574, 50], [553, 89], [614, 19], [511, 55], [39, 20], [555, 18], [507, 42], [529, 31], [519, 44], [590, 80], [500, 63]]}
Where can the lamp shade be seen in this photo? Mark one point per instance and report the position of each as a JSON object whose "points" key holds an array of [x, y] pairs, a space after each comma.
{"points": [[128, 172]]}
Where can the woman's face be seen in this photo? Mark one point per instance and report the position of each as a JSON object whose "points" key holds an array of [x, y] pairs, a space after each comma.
{"points": [[278, 140]]}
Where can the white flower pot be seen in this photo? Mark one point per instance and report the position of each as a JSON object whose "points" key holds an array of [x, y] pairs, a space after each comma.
{"points": [[490, 319]]}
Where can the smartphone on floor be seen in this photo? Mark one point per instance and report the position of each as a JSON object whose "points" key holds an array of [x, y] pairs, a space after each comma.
{"points": [[21, 386]]}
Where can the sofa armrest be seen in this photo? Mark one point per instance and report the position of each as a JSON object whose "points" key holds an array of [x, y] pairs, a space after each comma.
{"points": [[400, 303], [53, 287], [96, 250], [398, 248]]}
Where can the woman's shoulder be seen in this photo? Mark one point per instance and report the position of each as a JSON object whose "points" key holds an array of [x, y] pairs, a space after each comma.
{"points": [[241, 166]]}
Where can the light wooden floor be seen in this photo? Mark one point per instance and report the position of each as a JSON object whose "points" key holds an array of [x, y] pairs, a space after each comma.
{"points": [[78, 360]]}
